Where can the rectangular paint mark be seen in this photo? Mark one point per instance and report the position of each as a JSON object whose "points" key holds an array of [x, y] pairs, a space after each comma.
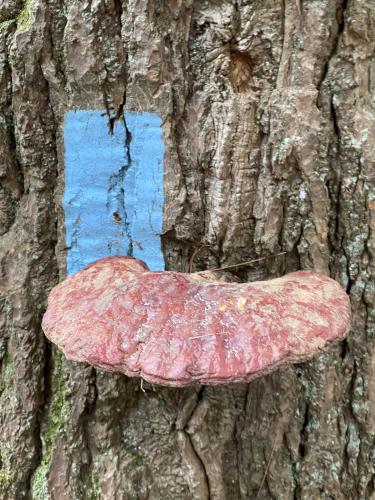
{"points": [[113, 199]]}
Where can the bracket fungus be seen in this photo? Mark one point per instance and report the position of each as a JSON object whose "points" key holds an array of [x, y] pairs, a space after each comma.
{"points": [[178, 329]]}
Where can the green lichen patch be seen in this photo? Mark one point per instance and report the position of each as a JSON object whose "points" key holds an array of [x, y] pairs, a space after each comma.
{"points": [[6, 480], [7, 23], [24, 17], [6, 372], [60, 404], [7, 367], [94, 492], [8, 476], [136, 457], [53, 427], [39, 484]]}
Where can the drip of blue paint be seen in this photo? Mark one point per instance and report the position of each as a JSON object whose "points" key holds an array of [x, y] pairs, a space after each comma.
{"points": [[113, 197]]}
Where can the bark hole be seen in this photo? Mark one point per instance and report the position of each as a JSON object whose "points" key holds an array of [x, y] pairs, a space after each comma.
{"points": [[240, 72]]}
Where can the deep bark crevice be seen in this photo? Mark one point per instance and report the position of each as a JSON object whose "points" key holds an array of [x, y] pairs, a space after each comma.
{"points": [[334, 44], [84, 422], [201, 462], [189, 435]]}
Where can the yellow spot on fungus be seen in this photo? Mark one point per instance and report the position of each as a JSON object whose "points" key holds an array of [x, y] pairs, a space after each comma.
{"points": [[241, 302]]}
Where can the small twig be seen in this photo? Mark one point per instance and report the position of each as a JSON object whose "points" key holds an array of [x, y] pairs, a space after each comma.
{"points": [[267, 468], [142, 389], [197, 250], [246, 263]]}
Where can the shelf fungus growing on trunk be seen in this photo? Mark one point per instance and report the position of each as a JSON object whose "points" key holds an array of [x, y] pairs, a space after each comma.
{"points": [[178, 329]]}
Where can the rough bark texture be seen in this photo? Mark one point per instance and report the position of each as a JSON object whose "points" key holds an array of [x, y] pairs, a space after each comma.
{"points": [[269, 128]]}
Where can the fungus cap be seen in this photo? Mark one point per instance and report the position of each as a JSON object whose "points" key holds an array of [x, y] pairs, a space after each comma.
{"points": [[178, 329]]}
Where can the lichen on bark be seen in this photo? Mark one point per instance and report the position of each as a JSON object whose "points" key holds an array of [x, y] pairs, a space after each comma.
{"points": [[54, 425], [24, 17]]}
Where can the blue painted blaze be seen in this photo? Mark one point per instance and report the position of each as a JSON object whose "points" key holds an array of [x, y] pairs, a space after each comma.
{"points": [[113, 197]]}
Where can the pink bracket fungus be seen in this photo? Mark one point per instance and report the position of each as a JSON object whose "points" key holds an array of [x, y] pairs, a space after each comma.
{"points": [[178, 329]]}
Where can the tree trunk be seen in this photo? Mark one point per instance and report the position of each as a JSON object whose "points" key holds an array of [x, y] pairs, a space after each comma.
{"points": [[269, 130]]}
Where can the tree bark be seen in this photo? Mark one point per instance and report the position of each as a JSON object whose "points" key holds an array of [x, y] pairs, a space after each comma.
{"points": [[269, 127]]}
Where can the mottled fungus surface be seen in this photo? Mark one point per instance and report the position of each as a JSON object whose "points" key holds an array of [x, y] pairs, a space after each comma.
{"points": [[178, 329]]}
